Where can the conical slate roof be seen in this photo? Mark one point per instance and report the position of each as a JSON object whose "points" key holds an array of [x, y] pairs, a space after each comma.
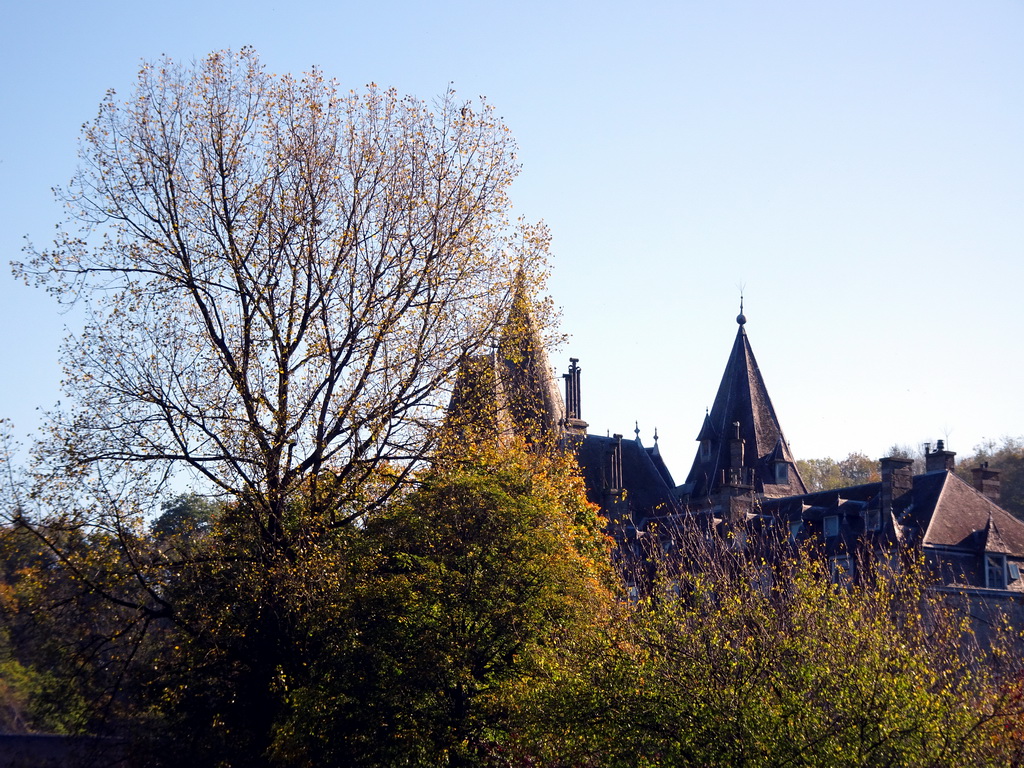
{"points": [[532, 396], [743, 398], [511, 389]]}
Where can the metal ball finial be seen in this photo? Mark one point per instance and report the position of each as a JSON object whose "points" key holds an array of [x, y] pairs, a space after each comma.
{"points": [[741, 318]]}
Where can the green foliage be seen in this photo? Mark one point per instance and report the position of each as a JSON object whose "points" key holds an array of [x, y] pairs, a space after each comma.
{"points": [[827, 474], [748, 662], [187, 514], [491, 575], [58, 655], [32, 699], [293, 274], [473, 621]]}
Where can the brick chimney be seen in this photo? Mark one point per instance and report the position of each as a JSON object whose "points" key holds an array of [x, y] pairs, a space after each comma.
{"points": [[987, 481], [940, 459]]}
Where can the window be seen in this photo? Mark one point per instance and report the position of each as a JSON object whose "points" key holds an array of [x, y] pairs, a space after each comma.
{"points": [[1014, 569], [794, 529], [873, 520], [781, 473], [831, 525], [841, 570], [705, 450], [995, 571]]}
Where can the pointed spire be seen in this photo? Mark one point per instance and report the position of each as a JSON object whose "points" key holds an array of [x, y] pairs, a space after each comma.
{"points": [[512, 387], [743, 398], [707, 429], [533, 399]]}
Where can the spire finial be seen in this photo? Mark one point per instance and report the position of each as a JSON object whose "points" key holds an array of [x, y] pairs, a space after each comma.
{"points": [[655, 435], [637, 430], [741, 318]]}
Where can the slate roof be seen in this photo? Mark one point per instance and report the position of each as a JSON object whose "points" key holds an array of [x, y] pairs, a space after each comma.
{"points": [[951, 513], [645, 479], [940, 510], [659, 462], [530, 389], [742, 397]]}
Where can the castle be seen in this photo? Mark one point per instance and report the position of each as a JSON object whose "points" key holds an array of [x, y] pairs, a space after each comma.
{"points": [[744, 478]]}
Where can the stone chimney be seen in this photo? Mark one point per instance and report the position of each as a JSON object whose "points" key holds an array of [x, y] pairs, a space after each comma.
{"points": [[896, 481], [736, 447], [575, 426], [987, 481], [940, 459], [736, 497]]}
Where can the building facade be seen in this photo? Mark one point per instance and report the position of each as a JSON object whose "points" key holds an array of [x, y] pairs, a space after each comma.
{"points": [[744, 480]]}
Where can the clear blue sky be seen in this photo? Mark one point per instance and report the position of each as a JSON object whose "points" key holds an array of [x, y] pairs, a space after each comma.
{"points": [[857, 166]]}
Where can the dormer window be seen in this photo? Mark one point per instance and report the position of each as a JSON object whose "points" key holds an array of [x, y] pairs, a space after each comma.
{"points": [[831, 526], [705, 450], [781, 473], [995, 571]]}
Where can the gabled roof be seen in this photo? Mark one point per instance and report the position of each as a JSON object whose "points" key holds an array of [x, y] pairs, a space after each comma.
{"points": [[743, 398], [659, 462], [994, 541], [951, 513]]}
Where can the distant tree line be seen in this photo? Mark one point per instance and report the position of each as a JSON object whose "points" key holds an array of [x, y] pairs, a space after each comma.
{"points": [[1006, 455]]}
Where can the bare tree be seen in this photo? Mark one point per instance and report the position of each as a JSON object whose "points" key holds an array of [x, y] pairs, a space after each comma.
{"points": [[280, 279]]}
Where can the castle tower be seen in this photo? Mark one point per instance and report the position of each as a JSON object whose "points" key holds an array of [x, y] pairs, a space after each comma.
{"points": [[741, 441], [510, 390]]}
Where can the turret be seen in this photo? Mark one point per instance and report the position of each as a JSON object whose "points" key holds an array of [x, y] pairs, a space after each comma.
{"points": [[741, 439]]}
